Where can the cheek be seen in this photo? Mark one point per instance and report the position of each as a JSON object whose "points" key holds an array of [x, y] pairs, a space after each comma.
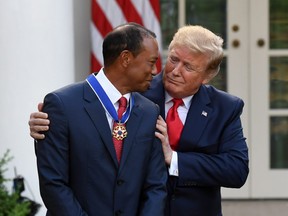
{"points": [[141, 74], [169, 67], [142, 67], [190, 81], [196, 81]]}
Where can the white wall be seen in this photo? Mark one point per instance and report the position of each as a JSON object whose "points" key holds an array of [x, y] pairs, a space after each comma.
{"points": [[37, 41], [82, 41]]}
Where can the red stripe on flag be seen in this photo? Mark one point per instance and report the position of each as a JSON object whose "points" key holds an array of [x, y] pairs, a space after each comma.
{"points": [[103, 25], [95, 65], [129, 11], [156, 8], [99, 19]]}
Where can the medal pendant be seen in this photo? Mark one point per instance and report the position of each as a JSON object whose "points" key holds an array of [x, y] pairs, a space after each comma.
{"points": [[119, 131]]}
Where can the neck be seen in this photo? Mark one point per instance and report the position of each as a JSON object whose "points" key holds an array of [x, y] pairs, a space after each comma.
{"points": [[118, 83]]}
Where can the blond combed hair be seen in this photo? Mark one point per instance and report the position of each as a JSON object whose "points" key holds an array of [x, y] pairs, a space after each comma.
{"points": [[200, 40]]}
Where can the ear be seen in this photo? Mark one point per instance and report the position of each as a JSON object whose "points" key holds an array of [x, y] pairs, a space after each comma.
{"points": [[209, 77], [207, 80], [126, 57]]}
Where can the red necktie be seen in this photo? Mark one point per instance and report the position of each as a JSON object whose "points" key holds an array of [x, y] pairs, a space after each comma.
{"points": [[119, 143], [174, 124]]}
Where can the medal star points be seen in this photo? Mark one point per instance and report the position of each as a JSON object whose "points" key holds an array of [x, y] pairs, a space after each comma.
{"points": [[119, 132]]}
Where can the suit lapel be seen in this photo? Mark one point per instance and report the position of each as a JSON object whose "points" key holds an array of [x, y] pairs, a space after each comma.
{"points": [[199, 113], [97, 114], [132, 127], [156, 93]]}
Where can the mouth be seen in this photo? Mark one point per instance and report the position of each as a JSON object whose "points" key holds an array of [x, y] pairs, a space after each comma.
{"points": [[147, 83], [173, 81], [149, 80]]}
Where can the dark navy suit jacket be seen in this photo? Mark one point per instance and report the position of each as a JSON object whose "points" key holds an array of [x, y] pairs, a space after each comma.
{"points": [[77, 165], [212, 151]]}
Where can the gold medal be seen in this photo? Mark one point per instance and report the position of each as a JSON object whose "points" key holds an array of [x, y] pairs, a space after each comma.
{"points": [[119, 131]]}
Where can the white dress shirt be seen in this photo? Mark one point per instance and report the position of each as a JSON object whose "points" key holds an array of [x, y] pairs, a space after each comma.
{"points": [[182, 112], [113, 94]]}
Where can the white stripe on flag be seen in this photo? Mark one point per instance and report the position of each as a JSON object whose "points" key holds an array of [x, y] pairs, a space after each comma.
{"points": [[112, 11], [115, 16], [96, 44]]}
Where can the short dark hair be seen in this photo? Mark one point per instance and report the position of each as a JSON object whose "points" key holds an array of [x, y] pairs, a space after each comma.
{"points": [[129, 37]]}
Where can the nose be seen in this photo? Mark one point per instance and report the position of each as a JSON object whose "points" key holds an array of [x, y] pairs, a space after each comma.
{"points": [[177, 68]]}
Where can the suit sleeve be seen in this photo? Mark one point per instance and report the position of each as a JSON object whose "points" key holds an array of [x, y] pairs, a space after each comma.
{"points": [[154, 191], [53, 162], [228, 165]]}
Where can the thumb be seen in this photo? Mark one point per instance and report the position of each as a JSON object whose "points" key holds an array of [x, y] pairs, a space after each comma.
{"points": [[40, 107]]}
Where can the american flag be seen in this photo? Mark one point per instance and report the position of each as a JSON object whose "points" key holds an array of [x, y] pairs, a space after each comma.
{"points": [[107, 14]]}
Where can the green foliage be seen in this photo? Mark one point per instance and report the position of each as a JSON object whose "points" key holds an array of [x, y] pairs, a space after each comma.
{"points": [[10, 204]]}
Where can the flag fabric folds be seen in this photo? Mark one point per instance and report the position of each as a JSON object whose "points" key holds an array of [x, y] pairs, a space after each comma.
{"points": [[107, 14]]}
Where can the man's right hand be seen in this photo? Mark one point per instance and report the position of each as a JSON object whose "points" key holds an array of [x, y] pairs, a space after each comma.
{"points": [[38, 123]]}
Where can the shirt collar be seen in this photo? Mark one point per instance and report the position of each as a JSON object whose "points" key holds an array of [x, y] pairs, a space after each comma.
{"points": [[113, 94], [187, 100]]}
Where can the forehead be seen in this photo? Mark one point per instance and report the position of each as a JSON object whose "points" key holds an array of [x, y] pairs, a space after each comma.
{"points": [[187, 55], [182, 54], [197, 61], [150, 46], [181, 51]]}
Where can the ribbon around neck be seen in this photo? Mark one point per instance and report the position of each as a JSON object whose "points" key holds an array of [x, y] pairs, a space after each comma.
{"points": [[106, 102]]}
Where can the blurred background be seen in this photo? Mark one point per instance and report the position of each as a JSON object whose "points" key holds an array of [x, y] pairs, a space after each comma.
{"points": [[47, 44]]}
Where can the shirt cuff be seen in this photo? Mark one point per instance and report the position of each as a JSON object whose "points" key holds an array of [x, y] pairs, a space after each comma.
{"points": [[173, 169]]}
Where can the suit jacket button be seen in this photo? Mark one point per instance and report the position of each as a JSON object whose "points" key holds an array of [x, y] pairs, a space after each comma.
{"points": [[120, 182], [118, 213], [173, 197]]}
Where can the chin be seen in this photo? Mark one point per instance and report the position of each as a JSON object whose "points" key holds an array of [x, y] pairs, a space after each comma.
{"points": [[172, 91], [143, 89], [170, 87]]}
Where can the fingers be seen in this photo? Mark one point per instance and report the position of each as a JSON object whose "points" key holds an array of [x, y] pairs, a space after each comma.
{"points": [[38, 115], [161, 126], [162, 135], [36, 129], [160, 118], [161, 132], [37, 136], [38, 123], [39, 119], [167, 151]]}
